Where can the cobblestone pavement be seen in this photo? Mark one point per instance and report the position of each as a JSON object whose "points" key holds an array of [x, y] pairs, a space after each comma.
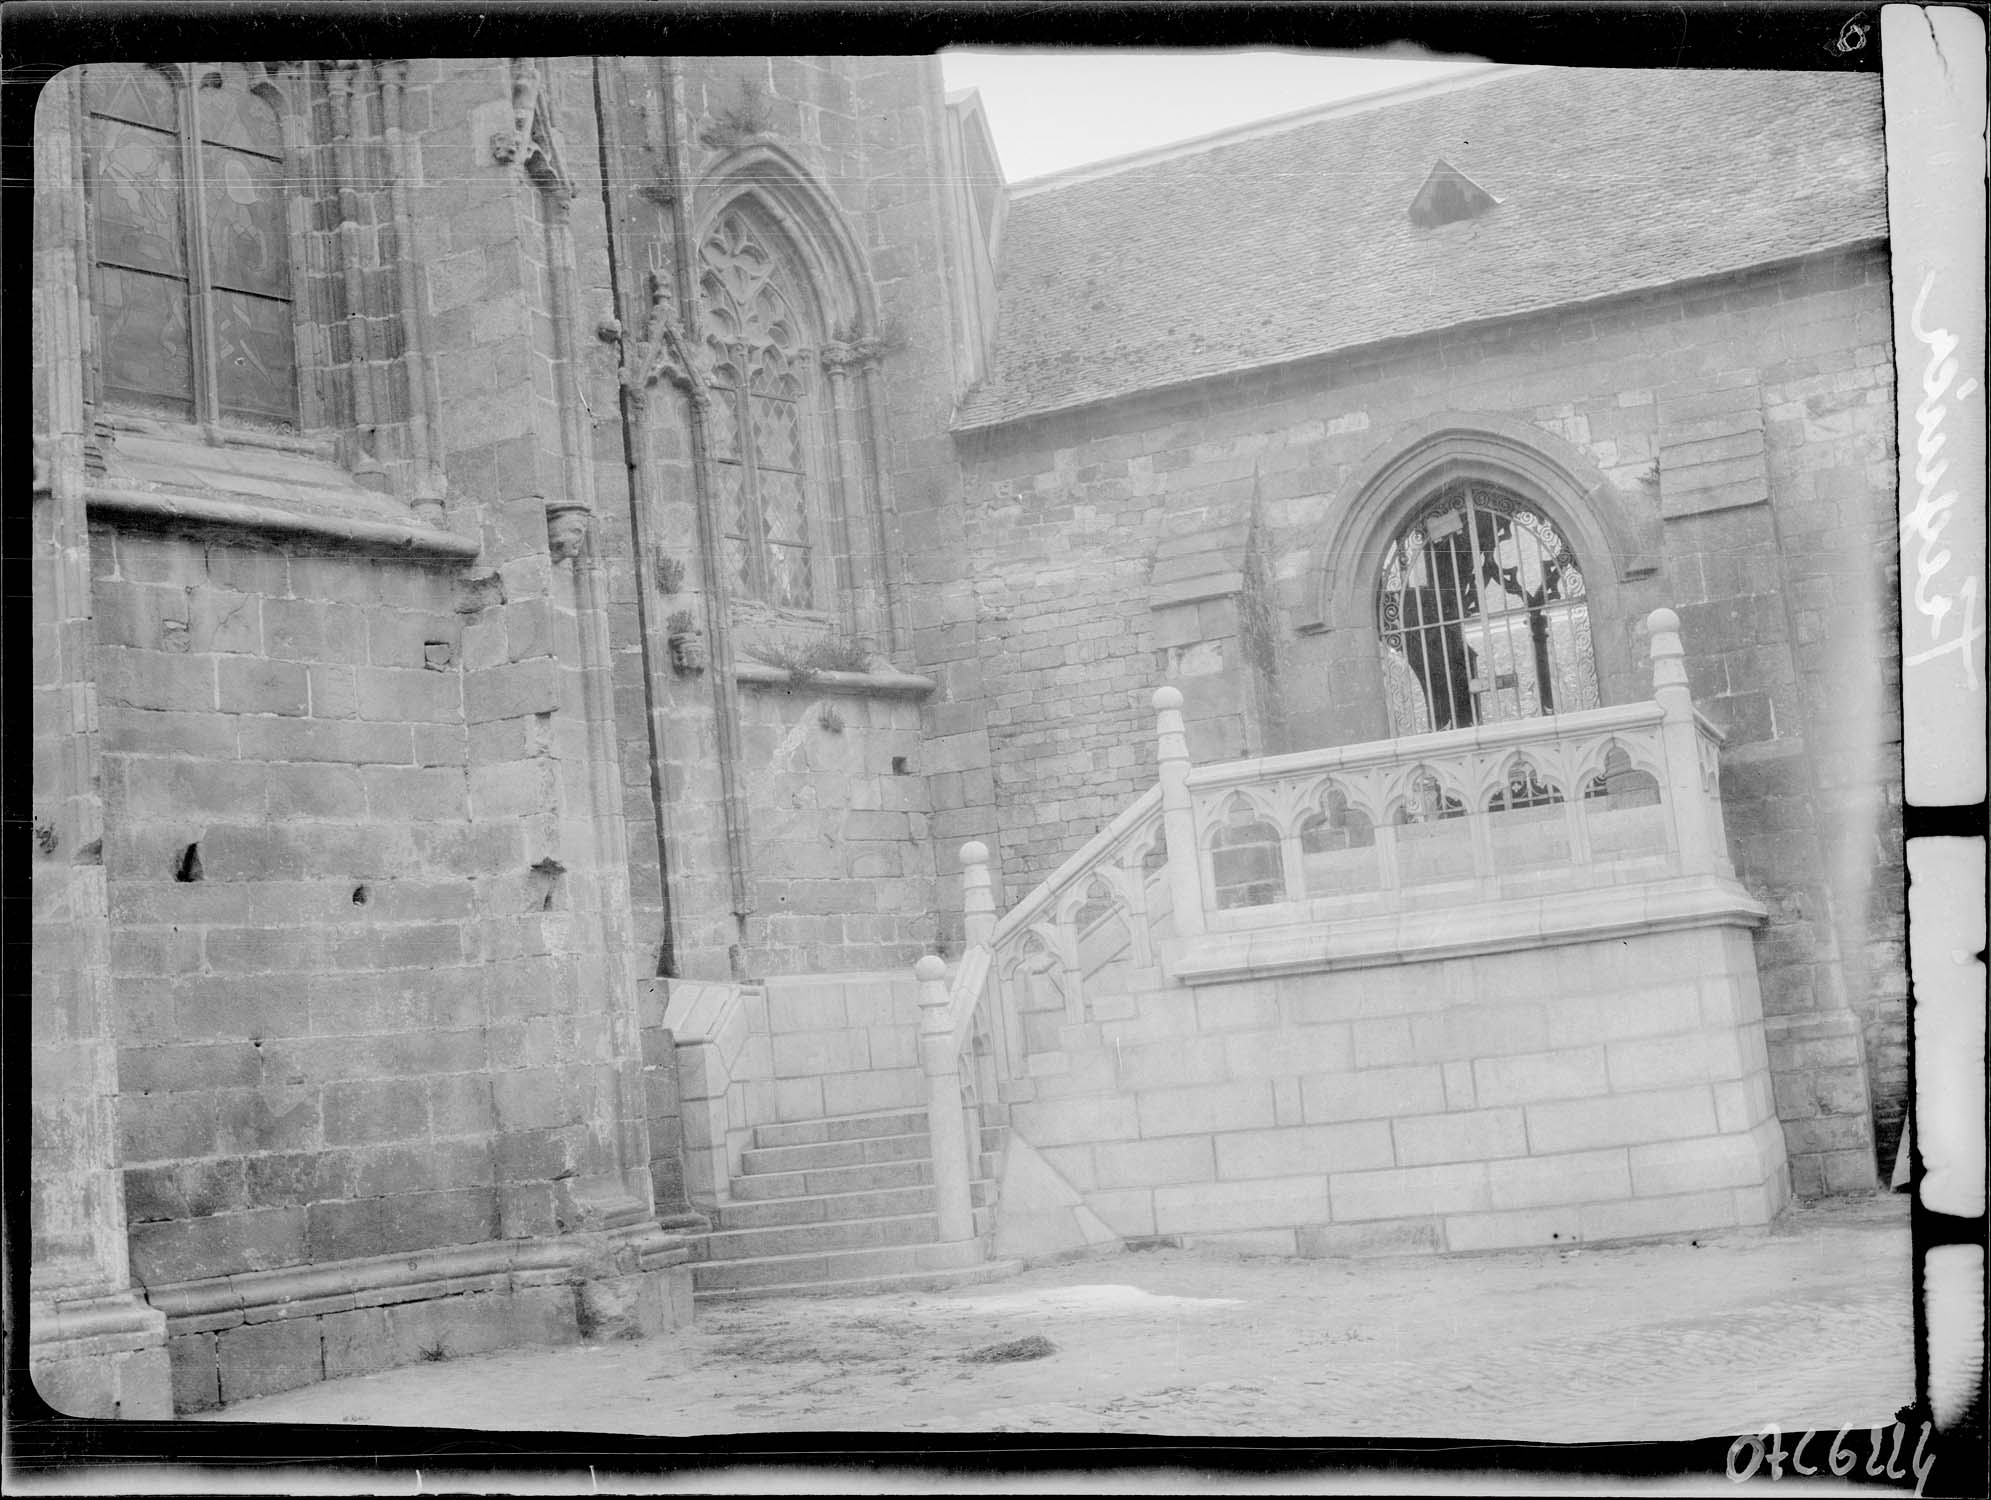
{"points": [[1807, 1326]]}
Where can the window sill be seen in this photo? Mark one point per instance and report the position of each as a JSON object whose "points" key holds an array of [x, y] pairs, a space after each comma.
{"points": [[891, 684], [290, 490], [373, 534]]}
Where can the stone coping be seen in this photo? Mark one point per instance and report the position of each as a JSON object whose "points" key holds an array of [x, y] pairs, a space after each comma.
{"points": [[1026, 911], [367, 533], [258, 1296], [695, 1010], [1304, 945], [892, 684], [1412, 748]]}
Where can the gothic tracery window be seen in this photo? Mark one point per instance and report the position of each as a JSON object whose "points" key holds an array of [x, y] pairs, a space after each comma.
{"points": [[762, 420], [1482, 615], [190, 249]]}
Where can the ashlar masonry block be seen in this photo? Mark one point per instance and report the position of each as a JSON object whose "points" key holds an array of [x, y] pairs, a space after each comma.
{"points": [[1064, 1122], [1460, 1135], [1671, 1167], [1621, 1119], [877, 1088], [1565, 1178], [1744, 1104], [1293, 1151], [1607, 1015], [814, 1054], [1408, 1192], [1661, 1062], [1152, 1163], [1478, 1031], [1205, 1107], [1304, 1050], [1678, 1214], [1505, 1230], [1533, 1077], [1271, 1202], [1374, 1094]]}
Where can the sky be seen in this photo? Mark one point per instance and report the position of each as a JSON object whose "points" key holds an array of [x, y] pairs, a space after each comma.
{"points": [[1051, 111]]}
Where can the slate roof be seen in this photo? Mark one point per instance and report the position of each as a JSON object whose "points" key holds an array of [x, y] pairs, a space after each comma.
{"points": [[1298, 242]]}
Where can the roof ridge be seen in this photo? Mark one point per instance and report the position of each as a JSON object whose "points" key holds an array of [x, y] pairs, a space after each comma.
{"points": [[1271, 125]]}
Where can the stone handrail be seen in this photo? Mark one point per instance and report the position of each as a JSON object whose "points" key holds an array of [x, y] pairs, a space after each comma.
{"points": [[1133, 829]]}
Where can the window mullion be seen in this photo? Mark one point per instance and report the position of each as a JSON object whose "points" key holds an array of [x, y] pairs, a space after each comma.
{"points": [[200, 291], [302, 164], [750, 502]]}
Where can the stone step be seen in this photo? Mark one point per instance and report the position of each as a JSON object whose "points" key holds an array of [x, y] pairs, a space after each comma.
{"points": [[815, 1267], [861, 1286], [862, 1127], [807, 1184], [834, 1234], [820, 1208], [842, 1128], [758, 1160]]}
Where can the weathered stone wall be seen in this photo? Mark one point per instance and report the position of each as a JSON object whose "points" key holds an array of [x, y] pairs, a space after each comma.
{"points": [[299, 934], [110, 1361], [835, 793], [1677, 398], [369, 960], [1578, 1092]]}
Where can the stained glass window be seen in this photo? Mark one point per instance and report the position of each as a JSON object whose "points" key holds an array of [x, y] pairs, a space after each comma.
{"points": [[191, 243], [760, 423], [1482, 615]]}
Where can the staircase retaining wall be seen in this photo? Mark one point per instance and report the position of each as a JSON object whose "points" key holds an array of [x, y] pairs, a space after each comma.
{"points": [[1583, 1091]]}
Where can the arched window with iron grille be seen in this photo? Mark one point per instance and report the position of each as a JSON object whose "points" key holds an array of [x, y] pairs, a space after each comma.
{"points": [[1482, 615]]}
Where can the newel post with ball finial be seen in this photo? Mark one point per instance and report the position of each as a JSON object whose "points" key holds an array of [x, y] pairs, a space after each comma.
{"points": [[940, 1061], [1692, 780], [1178, 819]]}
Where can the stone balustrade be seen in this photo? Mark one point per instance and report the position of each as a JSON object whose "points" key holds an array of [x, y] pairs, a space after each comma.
{"points": [[1496, 839]]}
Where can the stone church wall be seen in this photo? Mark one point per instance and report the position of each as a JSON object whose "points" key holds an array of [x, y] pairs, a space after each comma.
{"points": [[850, 798], [1787, 608]]}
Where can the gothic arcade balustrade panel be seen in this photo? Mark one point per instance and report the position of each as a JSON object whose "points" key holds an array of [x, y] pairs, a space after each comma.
{"points": [[1483, 814], [1090, 931]]}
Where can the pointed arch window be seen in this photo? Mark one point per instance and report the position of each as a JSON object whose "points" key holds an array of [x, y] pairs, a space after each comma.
{"points": [[188, 191], [1482, 615], [764, 421]]}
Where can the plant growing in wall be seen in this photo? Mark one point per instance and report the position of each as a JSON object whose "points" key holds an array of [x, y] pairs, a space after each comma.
{"points": [[687, 642], [803, 664], [839, 653], [670, 573]]}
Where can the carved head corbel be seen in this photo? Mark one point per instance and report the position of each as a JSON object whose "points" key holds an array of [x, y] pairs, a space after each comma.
{"points": [[569, 528]]}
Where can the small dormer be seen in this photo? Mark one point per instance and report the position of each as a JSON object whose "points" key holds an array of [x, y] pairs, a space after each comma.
{"points": [[1448, 195]]}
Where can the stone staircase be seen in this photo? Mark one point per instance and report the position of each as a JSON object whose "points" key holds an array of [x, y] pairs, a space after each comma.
{"points": [[844, 1205]]}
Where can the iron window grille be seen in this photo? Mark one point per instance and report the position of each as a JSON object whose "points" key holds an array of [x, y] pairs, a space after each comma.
{"points": [[1481, 615]]}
